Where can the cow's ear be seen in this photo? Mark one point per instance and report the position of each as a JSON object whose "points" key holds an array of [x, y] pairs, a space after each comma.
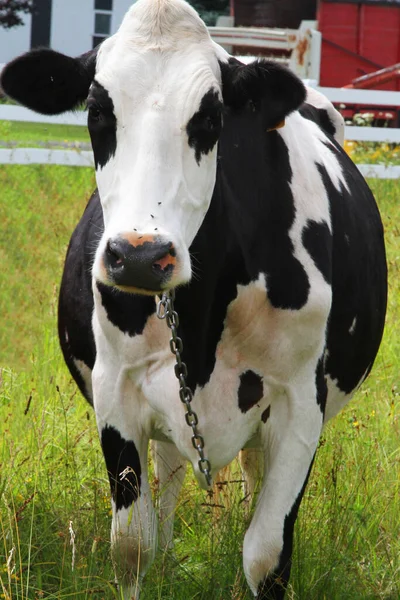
{"points": [[264, 85], [47, 81]]}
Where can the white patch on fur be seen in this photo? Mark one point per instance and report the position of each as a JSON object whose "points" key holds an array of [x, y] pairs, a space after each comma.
{"points": [[306, 151], [318, 100], [353, 326], [336, 400], [86, 374]]}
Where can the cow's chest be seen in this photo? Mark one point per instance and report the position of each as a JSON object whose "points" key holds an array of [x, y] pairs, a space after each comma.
{"points": [[257, 353]]}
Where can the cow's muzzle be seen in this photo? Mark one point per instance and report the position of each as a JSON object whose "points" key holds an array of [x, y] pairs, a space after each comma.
{"points": [[139, 263]]}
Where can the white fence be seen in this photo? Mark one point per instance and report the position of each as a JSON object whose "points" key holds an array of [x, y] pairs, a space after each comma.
{"points": [[84, 158]]}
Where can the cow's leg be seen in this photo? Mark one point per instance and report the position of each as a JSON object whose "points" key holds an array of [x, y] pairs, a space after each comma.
{"points": [[134, 526], [170, 470], [289, 438], [125, 447]]}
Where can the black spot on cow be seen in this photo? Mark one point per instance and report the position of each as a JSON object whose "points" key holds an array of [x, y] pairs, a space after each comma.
{"points": [[266, 414], [355, 289], [251, 390], [317, 240], [322, 388], [102, 124], [128, 312], [121, 456], [267, 234], [320, 116], [287, 282], [204, 127]]}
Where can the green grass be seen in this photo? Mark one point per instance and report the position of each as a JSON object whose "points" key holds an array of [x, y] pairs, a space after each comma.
{"points": [[347, 544], [39, 209], [27, 135]]}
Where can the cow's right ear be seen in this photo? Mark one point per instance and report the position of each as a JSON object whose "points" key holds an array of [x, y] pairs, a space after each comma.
{"points": [[49, 82], [263, 85]]}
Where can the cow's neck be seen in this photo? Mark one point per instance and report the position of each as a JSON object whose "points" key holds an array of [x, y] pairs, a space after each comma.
{"points": [[203, 303]]}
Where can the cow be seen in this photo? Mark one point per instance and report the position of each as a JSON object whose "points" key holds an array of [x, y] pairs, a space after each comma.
{"points": [[226, 183]]}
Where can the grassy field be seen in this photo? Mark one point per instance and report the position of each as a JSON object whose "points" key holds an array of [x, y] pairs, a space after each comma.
{"points": [[53, 487], [40, 206]]}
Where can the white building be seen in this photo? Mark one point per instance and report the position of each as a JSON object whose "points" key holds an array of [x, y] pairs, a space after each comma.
{"points": [[69, 26]]}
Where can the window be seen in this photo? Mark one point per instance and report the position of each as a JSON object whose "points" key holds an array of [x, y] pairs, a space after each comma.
{"points": [[102, 24], [102, 20], [103, 5]]}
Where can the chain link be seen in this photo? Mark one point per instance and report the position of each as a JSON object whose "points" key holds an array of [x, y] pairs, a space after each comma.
{"points": [[165, 310]]}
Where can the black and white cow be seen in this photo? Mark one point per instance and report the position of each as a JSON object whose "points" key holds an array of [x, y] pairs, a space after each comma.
{"points": [[200, 158]]}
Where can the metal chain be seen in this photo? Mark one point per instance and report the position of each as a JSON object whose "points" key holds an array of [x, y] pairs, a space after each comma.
{"points": [[165, 310]]}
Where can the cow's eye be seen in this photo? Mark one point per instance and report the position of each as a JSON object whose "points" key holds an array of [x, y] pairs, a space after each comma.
{"points": [[94, 112]]}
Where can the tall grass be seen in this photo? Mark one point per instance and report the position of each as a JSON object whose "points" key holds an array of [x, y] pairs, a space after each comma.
{"points": [[53, 485]]}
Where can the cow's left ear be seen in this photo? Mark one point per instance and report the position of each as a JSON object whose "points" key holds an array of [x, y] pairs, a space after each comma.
{"points": [[47, 81], [262, 83]]}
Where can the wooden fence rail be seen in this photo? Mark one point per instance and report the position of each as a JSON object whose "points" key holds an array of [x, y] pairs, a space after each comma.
{"points": [[83, 158]]}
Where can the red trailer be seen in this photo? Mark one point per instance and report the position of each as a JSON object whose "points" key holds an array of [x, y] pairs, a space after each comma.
{"points": [[361, 49], [359, 38]]}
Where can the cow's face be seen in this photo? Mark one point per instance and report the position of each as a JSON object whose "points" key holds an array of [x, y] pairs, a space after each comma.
{"points": [[154, 116], [155, 94]]}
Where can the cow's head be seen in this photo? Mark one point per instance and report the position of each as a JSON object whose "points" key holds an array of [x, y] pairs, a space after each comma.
{"points": [[156, 92]]}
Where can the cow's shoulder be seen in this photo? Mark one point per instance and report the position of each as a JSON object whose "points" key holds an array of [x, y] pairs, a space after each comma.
{"points": [[319, 109]]}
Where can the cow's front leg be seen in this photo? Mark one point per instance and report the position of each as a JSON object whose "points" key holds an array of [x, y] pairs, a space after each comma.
{"points": [[170, 469], [134, 527], [125, 447], [289, 437]]}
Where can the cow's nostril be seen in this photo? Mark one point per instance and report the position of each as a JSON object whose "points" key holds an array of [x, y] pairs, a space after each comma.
{"points": [[166, 261], [114, 254]]}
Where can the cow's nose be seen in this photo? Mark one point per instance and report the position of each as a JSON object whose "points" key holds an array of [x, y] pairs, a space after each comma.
{"points": [[145, 265]]}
